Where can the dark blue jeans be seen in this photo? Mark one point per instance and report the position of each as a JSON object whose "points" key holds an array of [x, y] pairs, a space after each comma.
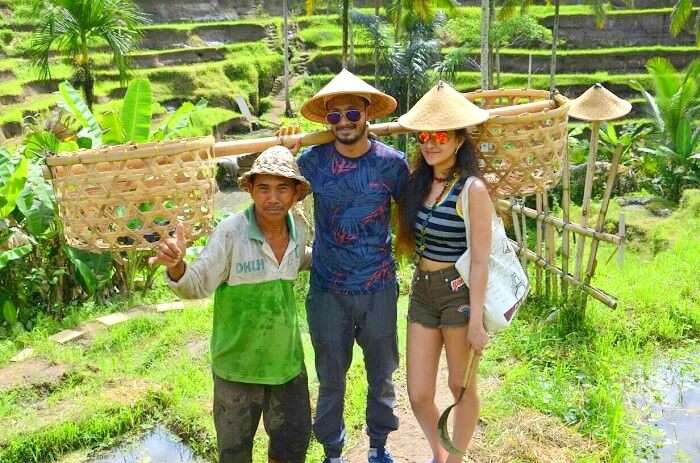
{"points": [[335, 322]]}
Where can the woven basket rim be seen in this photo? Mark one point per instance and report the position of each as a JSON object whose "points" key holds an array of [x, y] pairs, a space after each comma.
{"points": [[562, 102], [130, 151]]}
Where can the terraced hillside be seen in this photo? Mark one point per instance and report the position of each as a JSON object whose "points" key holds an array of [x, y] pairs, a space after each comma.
{"points": [[229, 56]]}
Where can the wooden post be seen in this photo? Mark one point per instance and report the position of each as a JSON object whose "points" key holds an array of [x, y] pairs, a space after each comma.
{"points": [[600, 222], [565, 206], [538, 245], [621, 248], [518, 235], [546, 253], [587, 190], [550, 244], [524, 223]]}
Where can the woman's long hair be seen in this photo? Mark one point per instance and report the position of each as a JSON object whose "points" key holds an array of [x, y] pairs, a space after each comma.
{"points": [[418, 188]]}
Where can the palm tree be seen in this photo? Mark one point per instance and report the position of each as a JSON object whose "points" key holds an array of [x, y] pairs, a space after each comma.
{"points": [[680, 17], [403, 13], [485, 44], [346, 29], [377, 3], [372, 30], [285, 31], [72, 26]]}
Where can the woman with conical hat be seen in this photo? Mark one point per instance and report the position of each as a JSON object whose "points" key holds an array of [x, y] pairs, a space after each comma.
{"points": [[442, 311], [353, 288]]}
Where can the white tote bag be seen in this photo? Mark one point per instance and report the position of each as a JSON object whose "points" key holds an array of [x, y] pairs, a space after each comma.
{"points": [[508, 284]]}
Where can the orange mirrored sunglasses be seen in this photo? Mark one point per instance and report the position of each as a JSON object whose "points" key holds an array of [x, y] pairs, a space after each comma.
{"points": [[438, 137]]}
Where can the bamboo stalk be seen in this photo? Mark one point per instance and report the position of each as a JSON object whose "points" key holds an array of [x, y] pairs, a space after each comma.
{"points": [[565, 206], [538, 245], [595, 293], [518, 233], [621, 248], [505, 205], [612, 175], [238, 147], [550, 248], [587, 190], [256, 145], [524, 222]]}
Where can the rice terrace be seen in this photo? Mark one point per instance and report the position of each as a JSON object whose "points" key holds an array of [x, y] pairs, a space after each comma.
{"points": [[349, 230]]}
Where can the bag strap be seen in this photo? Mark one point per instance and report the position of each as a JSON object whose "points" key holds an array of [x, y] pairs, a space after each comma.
{"points": [[465, 207]]}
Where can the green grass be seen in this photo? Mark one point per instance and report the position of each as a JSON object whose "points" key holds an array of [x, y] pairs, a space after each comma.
{"points": [[246, 69], [189, 26], [574, 372], [143, 371], [580, 370]]}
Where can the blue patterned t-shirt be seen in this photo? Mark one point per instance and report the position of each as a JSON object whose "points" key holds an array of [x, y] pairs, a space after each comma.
{"points": [[352, 202]]}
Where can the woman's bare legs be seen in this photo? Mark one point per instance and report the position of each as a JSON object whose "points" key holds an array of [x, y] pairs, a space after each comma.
{"points": [[423, 348], [466, 413]]}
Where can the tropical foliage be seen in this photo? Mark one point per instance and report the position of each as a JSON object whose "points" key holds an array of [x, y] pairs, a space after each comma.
{"points": [[39, 272], [674, 106], [72, 27]]}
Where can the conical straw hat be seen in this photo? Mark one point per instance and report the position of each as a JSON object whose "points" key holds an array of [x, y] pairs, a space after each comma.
{"points": [[347, 83], [443, 108], [599, 104], [279, 161]]}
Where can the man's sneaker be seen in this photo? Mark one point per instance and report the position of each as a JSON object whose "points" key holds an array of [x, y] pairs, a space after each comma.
{"points": [[380, 455]]}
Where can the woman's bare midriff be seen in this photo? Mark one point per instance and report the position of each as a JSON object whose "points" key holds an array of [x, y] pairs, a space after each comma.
{"points": [[428, 265]]}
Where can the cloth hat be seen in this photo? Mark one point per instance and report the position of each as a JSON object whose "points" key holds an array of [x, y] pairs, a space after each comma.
{"points": [[347, 83], [279, 161], [443, 108], [599, 104]]}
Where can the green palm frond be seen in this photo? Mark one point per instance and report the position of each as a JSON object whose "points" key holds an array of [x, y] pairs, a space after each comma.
{"points": [[70, 26], [680, 16], [664, 76]]}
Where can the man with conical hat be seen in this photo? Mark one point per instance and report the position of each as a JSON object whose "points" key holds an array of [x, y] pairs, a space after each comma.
{"points": [[353, 289]]}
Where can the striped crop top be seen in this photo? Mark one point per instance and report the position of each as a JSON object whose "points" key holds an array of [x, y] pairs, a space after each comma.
{"points": [[440, 232]]}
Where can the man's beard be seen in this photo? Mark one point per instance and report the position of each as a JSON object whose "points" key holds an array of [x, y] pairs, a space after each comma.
{"points": [[354, 139]]}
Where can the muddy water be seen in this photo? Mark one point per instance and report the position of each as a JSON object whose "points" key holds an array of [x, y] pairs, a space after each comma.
{"points": [[158, 446], [671, 408]]}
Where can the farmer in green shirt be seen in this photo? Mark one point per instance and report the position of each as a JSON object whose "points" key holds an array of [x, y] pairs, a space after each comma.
{"points": [[250, 263]]}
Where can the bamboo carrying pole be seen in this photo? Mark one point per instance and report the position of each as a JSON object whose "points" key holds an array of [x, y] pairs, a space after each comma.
{"points": [[241, 147], [238, 147]]}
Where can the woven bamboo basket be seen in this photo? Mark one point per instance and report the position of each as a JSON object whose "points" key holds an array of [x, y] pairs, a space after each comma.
{"points": [[521, 154], [129, 197]]}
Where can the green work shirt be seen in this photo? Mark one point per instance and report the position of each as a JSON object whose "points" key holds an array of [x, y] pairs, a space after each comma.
{"points": [[255, 337]]}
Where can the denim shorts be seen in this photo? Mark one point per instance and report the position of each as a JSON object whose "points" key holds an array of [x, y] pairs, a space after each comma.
{"points": [[439, 299]]}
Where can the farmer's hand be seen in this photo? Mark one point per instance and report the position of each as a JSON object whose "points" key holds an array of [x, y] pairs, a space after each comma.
{"points": [[171, 253], [477, 337], [287, 131]]}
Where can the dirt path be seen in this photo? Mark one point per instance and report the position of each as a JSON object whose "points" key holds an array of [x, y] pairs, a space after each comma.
{"points": [[408, 445]]}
